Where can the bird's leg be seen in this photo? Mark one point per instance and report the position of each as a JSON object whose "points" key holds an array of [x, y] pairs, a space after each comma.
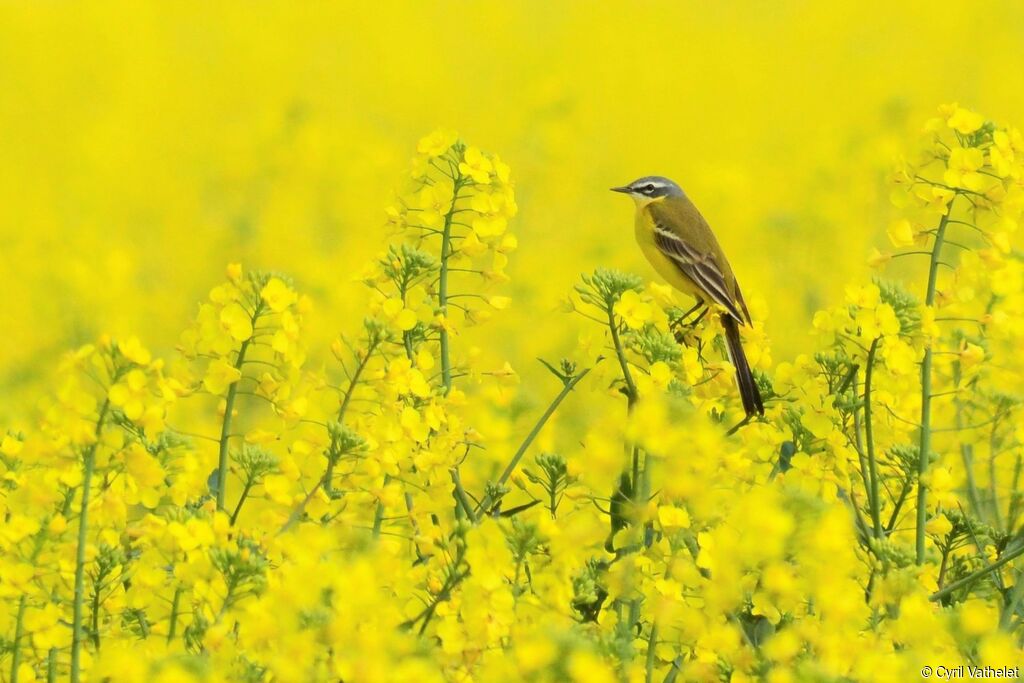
{"points": [[700, 317], [739, 425], [681, 319], [680, 326]]}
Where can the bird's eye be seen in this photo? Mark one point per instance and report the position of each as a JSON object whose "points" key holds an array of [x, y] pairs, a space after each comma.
{"points": [[648, 189]]}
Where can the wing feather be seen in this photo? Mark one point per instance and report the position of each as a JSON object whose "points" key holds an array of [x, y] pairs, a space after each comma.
{"points": [[699, 267]]}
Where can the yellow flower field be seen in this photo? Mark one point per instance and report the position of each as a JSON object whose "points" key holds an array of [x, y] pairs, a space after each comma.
{"points": [[328, 356]]}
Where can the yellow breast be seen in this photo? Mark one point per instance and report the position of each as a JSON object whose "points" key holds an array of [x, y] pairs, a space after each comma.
{"points": [[662, 264]]}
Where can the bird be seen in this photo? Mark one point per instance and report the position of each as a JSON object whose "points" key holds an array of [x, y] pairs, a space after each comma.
{"points": [[679, 243]]}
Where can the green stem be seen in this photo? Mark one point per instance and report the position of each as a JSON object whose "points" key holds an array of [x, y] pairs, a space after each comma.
{"points": [[88, 466], [378, 515], [96, 614], [859, 443], [19, 633], [461, 497], [51, 666], [1012, 602], [652, 640], [973, 576], [83, 519], [569, 386], [993, 451], [442, 287], [967, 452], [874, 502], [924, 446], [1015, 496], [175, 606], [363, 362], [904, 491], [241, 500], [19, 626], [631, 392], [225, 427]]}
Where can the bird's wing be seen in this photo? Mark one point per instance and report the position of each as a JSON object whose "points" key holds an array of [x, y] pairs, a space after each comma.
{"points": [[696, 264]]}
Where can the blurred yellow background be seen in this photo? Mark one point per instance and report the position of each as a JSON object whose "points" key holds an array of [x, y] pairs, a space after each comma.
{"points": [[144, 146]]}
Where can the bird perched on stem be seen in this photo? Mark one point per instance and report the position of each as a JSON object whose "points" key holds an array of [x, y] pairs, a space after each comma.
{"points": [[678, 242]]}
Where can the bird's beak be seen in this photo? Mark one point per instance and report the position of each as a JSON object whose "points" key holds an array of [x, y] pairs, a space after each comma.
{"points": [[624, 189]]}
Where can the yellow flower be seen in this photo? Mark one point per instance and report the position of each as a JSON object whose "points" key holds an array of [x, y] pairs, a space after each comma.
{"points": [[971, 355], [236, 322], [978, 617], [634, 311], [877, 259], [899, 356], [939, 526], [471, 246], [278, 488], [278, 295], [219, 376], [434, 202], [401, 317], [940, 486], [965, 121], [963, 168], [476, 166], [1001, 154], [134, 351], [672, 517], [130, 394], [489, 226], [10, 446], [863, 296], [499, 302], [901, 233], [437, 143]]}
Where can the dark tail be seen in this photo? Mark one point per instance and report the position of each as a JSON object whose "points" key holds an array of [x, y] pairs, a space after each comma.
{"points": [[748, 387]]}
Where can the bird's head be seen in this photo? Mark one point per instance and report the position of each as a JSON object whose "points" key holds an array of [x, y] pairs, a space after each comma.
{"points": [[649, 188]]}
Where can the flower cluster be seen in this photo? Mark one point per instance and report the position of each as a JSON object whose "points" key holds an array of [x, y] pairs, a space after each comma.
{"points": [[395, 509]]}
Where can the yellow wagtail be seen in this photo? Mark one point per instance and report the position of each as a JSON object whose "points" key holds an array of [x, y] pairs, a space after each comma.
{"points": [[678, 242]]}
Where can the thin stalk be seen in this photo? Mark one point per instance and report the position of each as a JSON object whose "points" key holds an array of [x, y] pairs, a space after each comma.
{"points": [[899, 504], [363, 362], [652, 640], [461, 497], [88, 466], [96, 613], [973, 576], [19, 633], [175, 606], [859, 441], [1012, 602], [924, 446], [225, 427], [631, 392], [442, 287], [569, 386], [967, 454], [19, 627], [378, 514], [301, 508], [993, 492], [1014, 509], [241, 500], [51, 666], [873, 502]]}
